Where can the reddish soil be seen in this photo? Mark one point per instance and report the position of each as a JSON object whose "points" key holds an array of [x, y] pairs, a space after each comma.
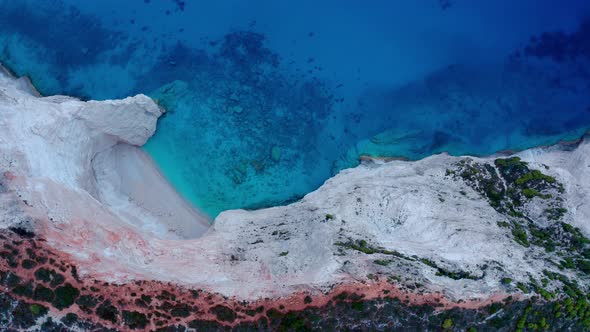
{"points": [[160, 304]]}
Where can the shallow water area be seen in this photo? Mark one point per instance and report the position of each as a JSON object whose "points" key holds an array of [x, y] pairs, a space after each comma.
{"points": [[267, 100]]}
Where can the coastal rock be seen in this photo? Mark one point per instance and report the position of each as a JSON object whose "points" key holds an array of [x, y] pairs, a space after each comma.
{"points": [[131, 120], [58, 145]]}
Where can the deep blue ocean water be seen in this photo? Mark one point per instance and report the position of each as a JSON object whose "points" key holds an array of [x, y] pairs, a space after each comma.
{"points": [[267, 99]]}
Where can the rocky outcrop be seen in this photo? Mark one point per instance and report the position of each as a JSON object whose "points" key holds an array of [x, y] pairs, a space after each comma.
{"points": [[58, 146], [131, 120]]}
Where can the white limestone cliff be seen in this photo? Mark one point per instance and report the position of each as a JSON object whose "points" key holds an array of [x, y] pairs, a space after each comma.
{"points": [[63, 143]]}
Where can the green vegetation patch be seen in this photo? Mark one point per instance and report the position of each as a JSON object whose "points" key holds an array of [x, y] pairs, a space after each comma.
{"points": [[555, 213], [135, 320], [38, 310], [364, 247], [24, 315], [509, 187], [520, 235], [382, 262], [108, 312], [25, 290], [455, 275], [43, 293], [65, 296], [180, 310], [28, 264], [534, 175], [223, 313], [51, 276], [530, 193], [447, 324]]}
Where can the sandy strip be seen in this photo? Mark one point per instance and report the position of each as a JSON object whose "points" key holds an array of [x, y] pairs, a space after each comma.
{"points": [[131, 184]]}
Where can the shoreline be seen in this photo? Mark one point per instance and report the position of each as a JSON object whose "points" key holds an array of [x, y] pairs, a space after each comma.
{"points": [[151, 165], [560, 144], [142, 163], [130, 171], [193, 209]]}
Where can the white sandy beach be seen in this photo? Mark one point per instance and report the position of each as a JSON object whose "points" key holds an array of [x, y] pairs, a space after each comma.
{"points": [[132, 186]]}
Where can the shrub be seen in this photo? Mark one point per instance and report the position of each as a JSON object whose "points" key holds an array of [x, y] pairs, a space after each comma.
{"points": [[514, 161], [530, 193], [37, 309], [65, 296], [520, 236], [534, 175], [43, 293], [447, 323], [107, 312], [382, 262], [224, 313], [134, 319]]}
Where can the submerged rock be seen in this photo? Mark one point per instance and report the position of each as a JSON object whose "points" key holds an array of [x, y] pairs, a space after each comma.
{"points": [[275, 153]]}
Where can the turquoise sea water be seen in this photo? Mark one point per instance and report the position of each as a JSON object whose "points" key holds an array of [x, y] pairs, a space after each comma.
{"points": [[267, 99]]}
